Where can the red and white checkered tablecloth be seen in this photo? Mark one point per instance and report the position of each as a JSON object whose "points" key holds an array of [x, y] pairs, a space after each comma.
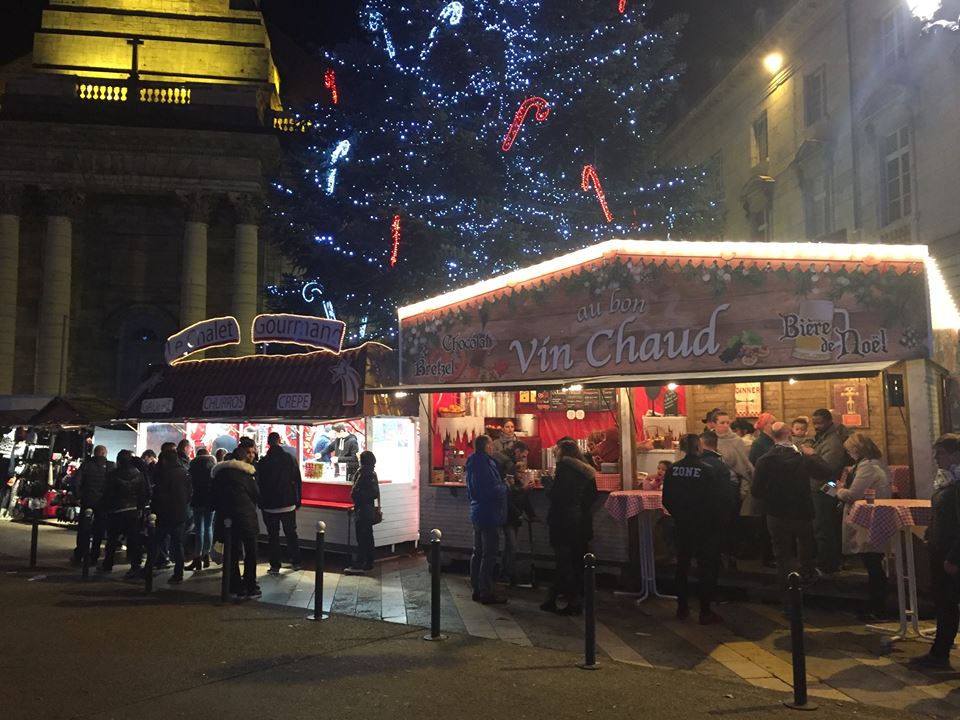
{"points": [[625, 504], [884, 518]]}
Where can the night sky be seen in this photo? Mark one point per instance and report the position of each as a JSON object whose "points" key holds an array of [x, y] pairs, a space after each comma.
{"points": [[717, 33]]}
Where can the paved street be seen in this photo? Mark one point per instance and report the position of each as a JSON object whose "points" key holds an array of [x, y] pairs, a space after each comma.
{"points": [[750, 653]]}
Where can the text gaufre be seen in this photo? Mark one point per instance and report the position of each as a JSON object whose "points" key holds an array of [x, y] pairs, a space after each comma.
{"points": [[299, 330]]}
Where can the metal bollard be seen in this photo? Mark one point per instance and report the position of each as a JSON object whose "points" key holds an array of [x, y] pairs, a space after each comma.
{"points": [[34, 536], [435, 634], [796, 646], [318, 613], [151, 553], [227, 566], [589, 609], [87, 521]]}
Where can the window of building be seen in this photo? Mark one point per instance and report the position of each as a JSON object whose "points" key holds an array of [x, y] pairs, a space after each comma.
{"points": [[815, 96], [897, 188], [760, 224], [818, 203], [759, 145], [893, 38]]}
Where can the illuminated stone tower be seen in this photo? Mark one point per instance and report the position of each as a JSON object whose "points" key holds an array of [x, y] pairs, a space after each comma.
{"points": [[133, 158]]}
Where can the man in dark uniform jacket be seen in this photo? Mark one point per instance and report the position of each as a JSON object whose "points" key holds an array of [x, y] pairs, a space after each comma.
{"points": [[694, 494]]}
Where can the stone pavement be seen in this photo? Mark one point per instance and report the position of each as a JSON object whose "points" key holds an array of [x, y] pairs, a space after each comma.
{"points": [[845, 663]]}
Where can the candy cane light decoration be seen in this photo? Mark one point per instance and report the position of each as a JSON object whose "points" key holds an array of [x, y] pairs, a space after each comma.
{"points": [[395, 236], [542, 113], [452, 14], [622, 7], [588, 178], [330, 83]]}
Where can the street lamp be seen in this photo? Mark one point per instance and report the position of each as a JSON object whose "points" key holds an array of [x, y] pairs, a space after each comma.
{"points": [[773, 62]]}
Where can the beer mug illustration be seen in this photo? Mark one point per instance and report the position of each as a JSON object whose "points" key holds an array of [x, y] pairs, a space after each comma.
{"points": [[815, 321]]}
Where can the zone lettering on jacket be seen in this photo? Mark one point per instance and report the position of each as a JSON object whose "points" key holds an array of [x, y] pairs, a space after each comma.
{"points": [[681, 471]]}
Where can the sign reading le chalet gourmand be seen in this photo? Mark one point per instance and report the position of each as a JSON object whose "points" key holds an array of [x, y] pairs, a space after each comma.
{"points": [[628, 314]]}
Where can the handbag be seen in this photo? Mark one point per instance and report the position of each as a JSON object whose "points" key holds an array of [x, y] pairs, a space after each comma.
{"points": [[377, 515]]}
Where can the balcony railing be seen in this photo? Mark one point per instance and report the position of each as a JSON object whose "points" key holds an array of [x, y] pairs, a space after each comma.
{"points": [[113, 92]]}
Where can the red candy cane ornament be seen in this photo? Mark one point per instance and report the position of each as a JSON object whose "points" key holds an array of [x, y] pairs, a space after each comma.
{"points": [[622, 7], [395, 236], [330, 83], [588, 177], [542, 113]]}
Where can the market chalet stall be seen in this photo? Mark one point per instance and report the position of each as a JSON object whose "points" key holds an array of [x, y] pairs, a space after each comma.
{"points": [[215, 401], [647, 336]]}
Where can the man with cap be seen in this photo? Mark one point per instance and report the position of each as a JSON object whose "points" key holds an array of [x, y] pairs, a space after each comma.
{"points": [[764, 440], [692, 493], [280, 485]]}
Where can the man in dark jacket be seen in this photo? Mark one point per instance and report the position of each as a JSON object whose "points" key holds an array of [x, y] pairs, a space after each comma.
{"points": [[125, 496], [236, 499], [346, 448], [171, 498], [943, 540], [782, 480], [93, 478], [828, 518], [692, 492], [183, 453], [202, 503], [280, 486], [488, 511], [731, 507]]}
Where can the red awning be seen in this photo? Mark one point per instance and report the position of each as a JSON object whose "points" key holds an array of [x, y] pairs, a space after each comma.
{"points": [[310, 386]]}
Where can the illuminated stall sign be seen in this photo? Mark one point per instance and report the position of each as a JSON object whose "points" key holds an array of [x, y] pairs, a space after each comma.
{"points": [[635, 307], [224, 403], [304, 330], [156, 406], [204, 335]]}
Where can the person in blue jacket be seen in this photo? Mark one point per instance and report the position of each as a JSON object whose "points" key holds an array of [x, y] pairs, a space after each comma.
{"points": [[488, 512]]}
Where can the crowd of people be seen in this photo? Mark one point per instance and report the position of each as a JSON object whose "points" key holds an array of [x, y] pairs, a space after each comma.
{"points": [[193, 494]]}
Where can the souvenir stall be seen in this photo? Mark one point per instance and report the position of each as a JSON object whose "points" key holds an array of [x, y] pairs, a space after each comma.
{"points": [[631, 343], [214, 402]]}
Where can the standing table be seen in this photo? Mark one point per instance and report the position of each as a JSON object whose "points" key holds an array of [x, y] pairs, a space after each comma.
{"points": [[897, 520], [645, 505]]}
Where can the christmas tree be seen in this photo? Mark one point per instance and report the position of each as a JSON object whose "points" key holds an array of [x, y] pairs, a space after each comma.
{"points": [[458, 140]]}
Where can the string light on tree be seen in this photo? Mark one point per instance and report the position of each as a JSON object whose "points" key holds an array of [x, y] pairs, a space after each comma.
{"points": [[538, 104], [395, 237], [330, 83], [339, 152], [589, 177], [452, 14]]}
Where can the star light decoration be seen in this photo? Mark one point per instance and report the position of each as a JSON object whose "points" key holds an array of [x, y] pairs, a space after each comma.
{"points": [[471, 64]]}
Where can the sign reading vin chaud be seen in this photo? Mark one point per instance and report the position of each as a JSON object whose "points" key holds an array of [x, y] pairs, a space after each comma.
{"points": [[627, 313], [299, 330]]}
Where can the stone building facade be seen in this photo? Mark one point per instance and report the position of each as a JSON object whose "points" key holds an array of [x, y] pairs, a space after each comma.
{"points": [[134, 153], [839, 125]]}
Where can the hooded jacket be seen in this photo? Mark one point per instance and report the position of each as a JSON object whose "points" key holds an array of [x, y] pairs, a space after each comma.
{"points": [[125, 489], [278, 480], [486, 491], [782, 481], [571, 494], [201, 482], [235, 495]]}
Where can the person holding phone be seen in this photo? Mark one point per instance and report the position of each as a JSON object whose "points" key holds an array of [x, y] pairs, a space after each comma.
{"points": [[871, 477]]}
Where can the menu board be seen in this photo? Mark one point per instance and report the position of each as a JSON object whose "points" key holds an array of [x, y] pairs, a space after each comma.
{"points": [[589, 400]]}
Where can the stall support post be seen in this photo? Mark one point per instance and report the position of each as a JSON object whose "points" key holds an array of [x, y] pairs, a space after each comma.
{"points": [[435, 536], [35, 536], [796, 648], [151, 553], [589, 612], [86, 520], [318, 613], [227, 573]]}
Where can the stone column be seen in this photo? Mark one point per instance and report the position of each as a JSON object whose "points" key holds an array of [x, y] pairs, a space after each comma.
{"points": [[53, 323], [11, 197], [193, 269], [246, 282]]}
